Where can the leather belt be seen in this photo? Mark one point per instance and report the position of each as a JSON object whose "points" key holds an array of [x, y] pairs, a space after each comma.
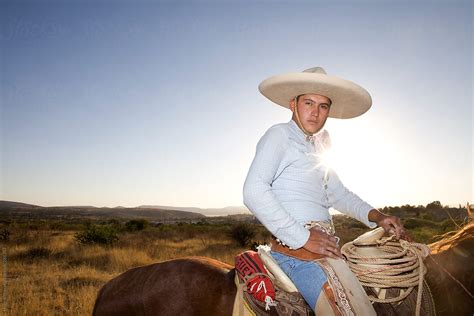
{"points": [[299, 253]]}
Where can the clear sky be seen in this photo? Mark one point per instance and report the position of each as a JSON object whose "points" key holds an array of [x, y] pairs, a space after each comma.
{"points": [[129, 103]]}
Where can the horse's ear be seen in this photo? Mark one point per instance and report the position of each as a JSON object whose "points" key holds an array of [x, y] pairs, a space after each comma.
{"points": [[470, 213]]}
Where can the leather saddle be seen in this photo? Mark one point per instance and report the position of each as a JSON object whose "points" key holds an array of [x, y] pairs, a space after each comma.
{"points": [[341, 295]]}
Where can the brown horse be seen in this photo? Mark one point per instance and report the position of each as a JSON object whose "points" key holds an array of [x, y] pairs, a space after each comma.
{"points": [[204, 286]]}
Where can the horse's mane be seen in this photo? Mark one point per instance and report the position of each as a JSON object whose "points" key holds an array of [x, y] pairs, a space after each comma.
{"points": [[452, 239]]}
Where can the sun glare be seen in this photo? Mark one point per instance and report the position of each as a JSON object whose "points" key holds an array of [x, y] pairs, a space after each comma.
{"points": [[362, 159], [325, 159]]}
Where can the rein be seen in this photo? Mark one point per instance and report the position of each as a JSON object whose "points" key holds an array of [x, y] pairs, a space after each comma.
{"points": [[386, 263], [452, 277]]}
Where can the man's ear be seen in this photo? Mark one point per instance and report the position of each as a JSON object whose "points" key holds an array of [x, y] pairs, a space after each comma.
{"points": [[292, 105]]}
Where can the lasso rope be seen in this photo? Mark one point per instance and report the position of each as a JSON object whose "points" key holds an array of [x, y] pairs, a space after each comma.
{"points": [[396, 264]]}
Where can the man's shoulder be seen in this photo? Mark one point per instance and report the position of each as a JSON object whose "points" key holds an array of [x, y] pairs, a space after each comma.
{"points": [[279, 129], [276, 134]]}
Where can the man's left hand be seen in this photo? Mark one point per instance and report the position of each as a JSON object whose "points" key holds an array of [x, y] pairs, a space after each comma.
{"points": [[391, 224]]}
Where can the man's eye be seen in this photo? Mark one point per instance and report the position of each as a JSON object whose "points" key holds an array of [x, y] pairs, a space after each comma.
{"points": [[324, 106], [308, 103]]}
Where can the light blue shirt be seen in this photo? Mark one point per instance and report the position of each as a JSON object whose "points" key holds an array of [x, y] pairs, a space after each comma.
{"points": [[287, 185]]}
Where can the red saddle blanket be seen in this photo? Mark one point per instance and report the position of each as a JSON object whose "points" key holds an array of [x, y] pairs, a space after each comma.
{"points": [[250, 269]]}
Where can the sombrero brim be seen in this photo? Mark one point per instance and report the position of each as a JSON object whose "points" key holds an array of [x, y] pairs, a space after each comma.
{"points": [[348, 99]]}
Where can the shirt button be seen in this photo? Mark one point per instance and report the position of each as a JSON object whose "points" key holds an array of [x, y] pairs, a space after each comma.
{"points": [[325, 187]]}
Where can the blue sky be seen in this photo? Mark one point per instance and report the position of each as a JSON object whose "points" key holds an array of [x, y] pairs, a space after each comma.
{"points": [[129, 103]]}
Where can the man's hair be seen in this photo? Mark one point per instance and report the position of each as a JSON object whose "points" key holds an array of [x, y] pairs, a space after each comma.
{"points": [[298, 98]]}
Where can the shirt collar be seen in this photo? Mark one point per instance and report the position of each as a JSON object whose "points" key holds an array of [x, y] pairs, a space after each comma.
{"points": [[294, 126]]}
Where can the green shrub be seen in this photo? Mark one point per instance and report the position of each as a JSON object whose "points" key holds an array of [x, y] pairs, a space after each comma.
{"points": [[435, 205], [136, 225], [422, 235], [427, 216], [93, 234], [448, 225], [4, 235], [57, 225], [114, 223], [242, 233], [412, 223]]}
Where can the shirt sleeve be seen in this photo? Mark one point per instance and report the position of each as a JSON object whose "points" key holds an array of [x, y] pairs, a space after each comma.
{"points": [[259, 196], [345, 201]]}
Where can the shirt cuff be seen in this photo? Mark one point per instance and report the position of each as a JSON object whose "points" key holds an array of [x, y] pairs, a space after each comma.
{"points": [[294, 239], [365, 216]]}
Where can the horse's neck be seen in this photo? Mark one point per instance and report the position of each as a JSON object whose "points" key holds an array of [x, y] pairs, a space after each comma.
{"points": [[450, 277]]}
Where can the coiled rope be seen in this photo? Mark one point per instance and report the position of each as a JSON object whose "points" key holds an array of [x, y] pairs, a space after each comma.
{"points": [[387, 263]]}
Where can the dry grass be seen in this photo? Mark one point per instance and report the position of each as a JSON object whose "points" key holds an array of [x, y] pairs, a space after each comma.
{"points": [[49, 273]]}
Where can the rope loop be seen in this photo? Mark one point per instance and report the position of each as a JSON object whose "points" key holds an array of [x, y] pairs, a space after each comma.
{"points": [[388, 263]]}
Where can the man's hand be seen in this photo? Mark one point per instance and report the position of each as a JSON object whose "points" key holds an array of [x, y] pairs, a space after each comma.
{"points": [[391, 224], [321, 243]]}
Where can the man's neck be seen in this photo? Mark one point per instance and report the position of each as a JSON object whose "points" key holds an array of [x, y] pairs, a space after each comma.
{"points": [[303, 130]]}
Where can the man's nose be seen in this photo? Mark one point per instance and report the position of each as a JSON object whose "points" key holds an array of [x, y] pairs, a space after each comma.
{"points": [[315, 111]]}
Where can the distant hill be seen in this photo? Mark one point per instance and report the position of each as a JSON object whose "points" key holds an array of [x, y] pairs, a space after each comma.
{"points": [[15, 210], [229, 210], [11, 204]]}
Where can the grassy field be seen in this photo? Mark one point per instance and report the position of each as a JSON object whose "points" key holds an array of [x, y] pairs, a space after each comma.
{"points": [[48, 272]]}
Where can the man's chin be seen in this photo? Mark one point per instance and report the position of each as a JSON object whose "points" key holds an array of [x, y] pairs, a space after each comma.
{"points": [[313, 130]]}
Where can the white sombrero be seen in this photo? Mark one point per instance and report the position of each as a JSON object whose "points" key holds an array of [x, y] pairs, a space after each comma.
{"points": [[348, 99]]}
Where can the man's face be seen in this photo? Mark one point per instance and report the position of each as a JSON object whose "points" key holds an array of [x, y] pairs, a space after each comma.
{"points": [[313, 110]]}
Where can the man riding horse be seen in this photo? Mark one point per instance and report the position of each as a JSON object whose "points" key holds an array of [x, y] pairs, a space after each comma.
{"points": [[290, 189], [286, 188]]}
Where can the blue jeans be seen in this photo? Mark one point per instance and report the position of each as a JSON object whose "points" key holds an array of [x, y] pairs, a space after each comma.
{"points": [[307, 276]]}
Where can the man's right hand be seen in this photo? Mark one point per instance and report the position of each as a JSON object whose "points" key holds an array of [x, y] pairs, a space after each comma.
{"points": [[321, 243]]}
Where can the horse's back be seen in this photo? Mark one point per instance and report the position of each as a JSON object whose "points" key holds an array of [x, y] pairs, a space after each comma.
{"points": [[198, 286]]}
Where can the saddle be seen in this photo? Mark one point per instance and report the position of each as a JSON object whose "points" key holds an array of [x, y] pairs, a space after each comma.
{"points": [[343, 294]]}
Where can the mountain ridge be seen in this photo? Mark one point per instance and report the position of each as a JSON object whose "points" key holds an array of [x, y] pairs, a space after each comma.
{"points": [[228, 210]]}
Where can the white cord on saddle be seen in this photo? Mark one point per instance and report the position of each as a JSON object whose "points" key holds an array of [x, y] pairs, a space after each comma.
{"points": [[269, 302]]}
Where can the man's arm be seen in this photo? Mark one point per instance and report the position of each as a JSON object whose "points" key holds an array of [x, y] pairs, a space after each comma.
{"points": [[349, 203], [259, 196]]}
